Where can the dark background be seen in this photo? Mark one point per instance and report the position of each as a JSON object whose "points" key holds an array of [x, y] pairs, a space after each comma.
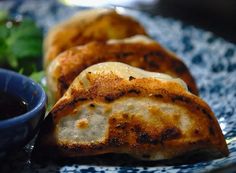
{"points": [[218, 16]]}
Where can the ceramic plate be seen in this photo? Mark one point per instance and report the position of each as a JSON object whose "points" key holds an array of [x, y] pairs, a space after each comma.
{"points": [[211, 60]]}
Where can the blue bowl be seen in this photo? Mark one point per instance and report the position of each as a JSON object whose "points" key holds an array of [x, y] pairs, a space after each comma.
{"points": [[17, 131]]}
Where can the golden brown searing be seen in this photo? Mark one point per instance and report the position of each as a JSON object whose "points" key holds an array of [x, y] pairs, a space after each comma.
{"points": [[86, 26], [115, 108], [138, 51]]}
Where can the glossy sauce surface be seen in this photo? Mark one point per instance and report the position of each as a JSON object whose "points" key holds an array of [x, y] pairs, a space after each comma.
{"points": [[11, 106]]}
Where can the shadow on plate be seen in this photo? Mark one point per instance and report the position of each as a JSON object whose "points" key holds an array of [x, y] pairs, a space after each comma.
{"points": [[123, 160], [22, 161]]}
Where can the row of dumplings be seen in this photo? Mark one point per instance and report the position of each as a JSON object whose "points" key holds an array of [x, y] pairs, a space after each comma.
{"points": [[116, 90]]}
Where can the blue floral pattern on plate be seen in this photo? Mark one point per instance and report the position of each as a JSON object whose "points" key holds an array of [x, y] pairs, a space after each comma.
{"points": [[211, 60]]}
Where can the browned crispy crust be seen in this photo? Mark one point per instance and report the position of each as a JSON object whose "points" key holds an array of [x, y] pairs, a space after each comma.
{"points": [[78, 31], [134, 135], [150, 57]]}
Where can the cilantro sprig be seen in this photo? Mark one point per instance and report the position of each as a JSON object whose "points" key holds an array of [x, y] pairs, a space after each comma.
{"points": [[20, 45]]}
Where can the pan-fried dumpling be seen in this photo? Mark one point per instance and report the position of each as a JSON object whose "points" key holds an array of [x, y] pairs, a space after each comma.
{"points": [[86, 26], [138, 51], [115, 108]]}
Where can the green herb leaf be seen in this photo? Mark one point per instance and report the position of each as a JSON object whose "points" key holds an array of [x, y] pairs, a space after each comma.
{"points": [[25, 40], [3, 48], [20, 45], [26, 47], [12, 60], [37, 76], [26, 28], [3, 15], [4, 32]]}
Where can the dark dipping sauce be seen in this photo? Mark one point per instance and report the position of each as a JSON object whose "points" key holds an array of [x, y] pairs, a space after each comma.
{"points": [[11, 106]]}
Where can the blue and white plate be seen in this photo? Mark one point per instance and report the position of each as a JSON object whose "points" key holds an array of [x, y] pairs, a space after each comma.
{"points": [[211, 60]]}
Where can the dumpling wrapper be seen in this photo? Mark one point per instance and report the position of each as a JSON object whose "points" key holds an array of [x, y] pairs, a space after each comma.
{"points": [[138, 51], [115, 108], [86, 26]]}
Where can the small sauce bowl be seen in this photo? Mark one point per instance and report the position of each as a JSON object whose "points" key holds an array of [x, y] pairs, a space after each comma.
{"points": [[17, 131]]}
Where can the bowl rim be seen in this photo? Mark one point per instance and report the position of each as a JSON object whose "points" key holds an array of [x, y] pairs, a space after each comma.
{"points": [[29, 114]]}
